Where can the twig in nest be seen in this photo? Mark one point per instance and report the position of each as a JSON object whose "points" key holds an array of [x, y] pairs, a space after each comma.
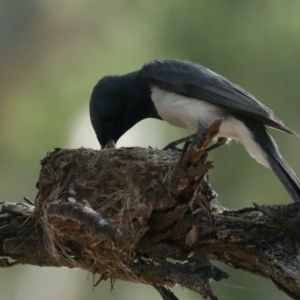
{"points": [[205, 135], [4, 263], [193, 153], [92, 220], [28, 200], [165, 292]]}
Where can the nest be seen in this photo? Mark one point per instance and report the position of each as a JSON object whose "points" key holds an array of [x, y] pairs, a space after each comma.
{"points": [[109, 211]]}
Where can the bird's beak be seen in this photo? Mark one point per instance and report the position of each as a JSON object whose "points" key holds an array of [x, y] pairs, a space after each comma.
{"points": [[110, 145]]}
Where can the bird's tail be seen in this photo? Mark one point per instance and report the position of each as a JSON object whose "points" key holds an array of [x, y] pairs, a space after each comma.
{"points": [[276, 162]]}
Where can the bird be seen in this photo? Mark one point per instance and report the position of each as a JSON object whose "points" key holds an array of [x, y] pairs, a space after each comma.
{"points": [[188, 95]]}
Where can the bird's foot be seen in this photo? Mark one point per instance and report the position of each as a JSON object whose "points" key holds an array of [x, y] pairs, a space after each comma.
{"points": [[173, 145], [220, 142]]}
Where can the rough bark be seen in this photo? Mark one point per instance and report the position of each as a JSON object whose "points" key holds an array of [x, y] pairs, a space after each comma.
{"points": [[148, 216]]}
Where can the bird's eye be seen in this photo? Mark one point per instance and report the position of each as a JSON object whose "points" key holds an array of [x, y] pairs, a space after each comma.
{"points": [[108, 119]]}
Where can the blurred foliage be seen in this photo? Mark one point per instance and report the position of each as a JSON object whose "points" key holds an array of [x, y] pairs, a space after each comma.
{"points": [[52, 54]]}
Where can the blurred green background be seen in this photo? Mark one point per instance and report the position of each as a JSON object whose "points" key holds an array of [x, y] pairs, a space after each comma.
{"points": [[53, 53]]}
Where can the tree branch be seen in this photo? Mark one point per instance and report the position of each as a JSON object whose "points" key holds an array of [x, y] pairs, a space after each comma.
{"points": [[148, 216]]}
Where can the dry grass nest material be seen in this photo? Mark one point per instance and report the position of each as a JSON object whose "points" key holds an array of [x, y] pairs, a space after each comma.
{"points": [[128, 187]]}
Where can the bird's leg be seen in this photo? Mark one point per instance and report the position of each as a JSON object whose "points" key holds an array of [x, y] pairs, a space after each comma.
{"points": [[173, 145], [220, 142]]}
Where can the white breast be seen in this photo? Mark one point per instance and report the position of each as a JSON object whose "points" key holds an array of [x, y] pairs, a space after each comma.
{"points": [[187, 113]]}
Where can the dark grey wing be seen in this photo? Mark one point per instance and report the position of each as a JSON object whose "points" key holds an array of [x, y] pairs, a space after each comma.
{"points": [[195, 81]]}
